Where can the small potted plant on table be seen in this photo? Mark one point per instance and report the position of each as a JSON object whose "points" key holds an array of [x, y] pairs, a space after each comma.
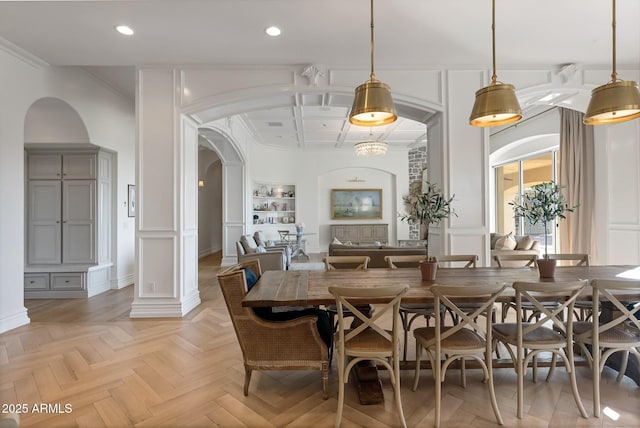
{"points": [[543, 203], [426, 205]]}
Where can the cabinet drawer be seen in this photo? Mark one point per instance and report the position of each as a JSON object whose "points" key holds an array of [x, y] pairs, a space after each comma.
{"points": [[36, 281], [67, 281]]}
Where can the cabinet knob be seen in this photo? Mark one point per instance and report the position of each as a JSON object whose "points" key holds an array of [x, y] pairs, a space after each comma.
{"points": [[57, 221], [67, 281], [31, 282], [64, 221]]}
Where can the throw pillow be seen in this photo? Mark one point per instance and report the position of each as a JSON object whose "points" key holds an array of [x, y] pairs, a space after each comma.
{"points": [[261, 249], [248, 244], [259, 238], [524, 243], [336, 241], [250, 277], [507, 242], [494, 239], [348, 243]]}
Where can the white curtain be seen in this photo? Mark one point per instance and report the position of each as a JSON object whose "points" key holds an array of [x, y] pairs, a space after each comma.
{"points": [[577, 176]]}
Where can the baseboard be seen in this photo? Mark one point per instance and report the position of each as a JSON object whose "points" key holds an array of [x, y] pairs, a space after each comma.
{"points": [[124, 281], [15, 320]]}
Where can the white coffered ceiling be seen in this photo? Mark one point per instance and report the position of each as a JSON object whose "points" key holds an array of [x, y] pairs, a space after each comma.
{"points": [[408, 34]]}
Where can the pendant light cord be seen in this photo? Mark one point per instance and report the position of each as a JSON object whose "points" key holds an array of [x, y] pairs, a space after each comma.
{"points": [[614, 74], [494, 76], [372, 76]]}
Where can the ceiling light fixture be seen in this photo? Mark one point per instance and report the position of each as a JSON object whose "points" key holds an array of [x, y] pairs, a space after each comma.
{"points": [[372, 105], [495, 104], [371, 147], [125, 30], [273, 31], [616, 101]]}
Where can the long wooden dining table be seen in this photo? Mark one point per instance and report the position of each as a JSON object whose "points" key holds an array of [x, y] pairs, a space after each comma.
{"points": [[311, 288]]}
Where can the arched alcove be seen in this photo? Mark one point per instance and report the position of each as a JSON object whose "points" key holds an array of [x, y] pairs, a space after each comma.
{"points": [[54, 121]]}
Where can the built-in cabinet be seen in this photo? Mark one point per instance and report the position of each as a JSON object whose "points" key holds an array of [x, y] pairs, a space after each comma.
{"points": [[68, 224], [360, 233]]}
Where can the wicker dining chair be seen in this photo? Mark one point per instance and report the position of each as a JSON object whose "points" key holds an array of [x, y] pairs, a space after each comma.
{"points": [[271, 345], [621, 334], [535, 337], [370, 340], [465, 340]]}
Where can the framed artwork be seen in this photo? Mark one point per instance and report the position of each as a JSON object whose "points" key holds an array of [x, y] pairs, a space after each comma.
{"points": [[356, 204], [131, 191]]}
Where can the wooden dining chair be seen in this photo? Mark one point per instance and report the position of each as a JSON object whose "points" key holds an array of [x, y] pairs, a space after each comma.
{"points": [[333, 263], [346, 262], [600, 340], [454, 260], [370, 340], [536, 337], [395, 262], [409, 312], [465, 340], [520, 261], [525, 260], [582, 307]]}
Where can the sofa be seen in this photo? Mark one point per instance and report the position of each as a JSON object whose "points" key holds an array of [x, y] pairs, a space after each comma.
{"points": [[376, 253], [513, 244], [271, 257]]}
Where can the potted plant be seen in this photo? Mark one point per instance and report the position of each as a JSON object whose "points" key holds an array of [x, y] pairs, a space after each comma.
{"points": [[543, 203], [426, 205]]}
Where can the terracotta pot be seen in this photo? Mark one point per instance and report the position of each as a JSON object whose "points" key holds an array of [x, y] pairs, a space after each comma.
{"points": [[428, 270], [546, 267]]}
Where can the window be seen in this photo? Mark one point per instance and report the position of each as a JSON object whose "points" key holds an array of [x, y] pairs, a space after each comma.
{"points": [[512, 179]]}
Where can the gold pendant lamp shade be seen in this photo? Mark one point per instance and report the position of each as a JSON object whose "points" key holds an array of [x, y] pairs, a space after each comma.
{"points": [[616, 101], [372, 104], [497, 103]]}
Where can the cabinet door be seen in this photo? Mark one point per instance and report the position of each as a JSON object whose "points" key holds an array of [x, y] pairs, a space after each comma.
{"points": [[43, 223], [78, 221], [380, 232], [44, 166], [78, 166], [67, 281]]}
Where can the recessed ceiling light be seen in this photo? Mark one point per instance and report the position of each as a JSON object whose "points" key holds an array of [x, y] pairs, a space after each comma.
{"points": [[123, 29], [272, 31]]}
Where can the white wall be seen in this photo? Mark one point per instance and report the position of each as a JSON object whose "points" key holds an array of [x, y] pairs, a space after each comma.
{"points": [[110, 123], [315, 173]]}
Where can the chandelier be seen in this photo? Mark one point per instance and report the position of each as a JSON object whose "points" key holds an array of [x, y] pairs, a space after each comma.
{"points": [[371, 147]]}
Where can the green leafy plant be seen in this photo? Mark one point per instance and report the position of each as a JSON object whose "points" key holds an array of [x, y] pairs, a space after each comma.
{"points": [[426, 205], [542, 203]]}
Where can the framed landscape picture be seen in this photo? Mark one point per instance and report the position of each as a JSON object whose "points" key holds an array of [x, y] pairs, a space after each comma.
{"points": [[356, 204]]}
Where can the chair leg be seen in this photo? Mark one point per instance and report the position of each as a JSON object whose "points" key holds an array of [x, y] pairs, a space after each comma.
{"points": [[492, 391], [325, 381], [247, 379], [341, 381], [438, 393], [623, 366], [416, 375], [396, 389], [574, 383]]}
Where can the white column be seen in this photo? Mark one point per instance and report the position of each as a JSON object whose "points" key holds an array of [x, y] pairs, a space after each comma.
{"points": [[465, 169], [166, 282]]}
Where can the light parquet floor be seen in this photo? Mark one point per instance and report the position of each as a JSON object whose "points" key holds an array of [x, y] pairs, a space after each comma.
{"points": [[92, 366]]}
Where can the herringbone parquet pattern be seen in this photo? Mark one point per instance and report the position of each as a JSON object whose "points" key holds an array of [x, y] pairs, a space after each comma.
{"points": [[112, 371]]}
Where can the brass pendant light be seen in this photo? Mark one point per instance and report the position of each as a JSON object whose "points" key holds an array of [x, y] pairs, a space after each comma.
{"points": [[497, 103], [372, 105], [616, 101]]}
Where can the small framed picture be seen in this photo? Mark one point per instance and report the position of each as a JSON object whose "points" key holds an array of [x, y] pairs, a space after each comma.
{"points": [[131, 191]]}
